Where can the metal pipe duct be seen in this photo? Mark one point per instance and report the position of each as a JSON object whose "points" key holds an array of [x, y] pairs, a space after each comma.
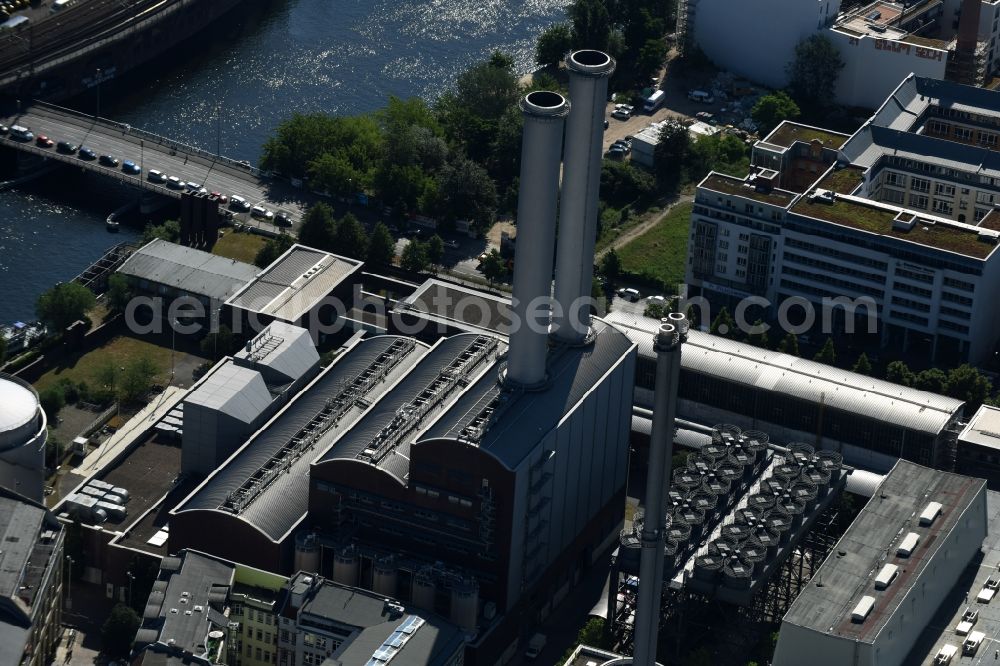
{"points": [[541, 148], [667, 343], [588, 88]]}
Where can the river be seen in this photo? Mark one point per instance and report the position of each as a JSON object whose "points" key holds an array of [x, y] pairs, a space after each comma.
{"points": [[237, 82]]}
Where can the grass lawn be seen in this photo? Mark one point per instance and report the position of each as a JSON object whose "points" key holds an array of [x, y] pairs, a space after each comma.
{"points": [[660, 253], [239, 246], [119, 350]]}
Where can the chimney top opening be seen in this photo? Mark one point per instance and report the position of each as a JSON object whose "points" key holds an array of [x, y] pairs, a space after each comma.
{"points": [[546, 99], [589, 58]]}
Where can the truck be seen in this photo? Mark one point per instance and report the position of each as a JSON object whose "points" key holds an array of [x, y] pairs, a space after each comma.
{"points": [[654, 101], [535, 647]]}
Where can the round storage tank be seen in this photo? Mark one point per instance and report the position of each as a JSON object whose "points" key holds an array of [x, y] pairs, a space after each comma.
{"points": [[423, 590], [801, 451], [787, 472], [718, 487], [465, 603], [805, 493], [818, 475], [384, 575], [306, 552], [832, 461], [779, 521], [630, 547], [795, 509], [706, 502], [769, 539], [714, 451], [694, 518], [726, 433], [760, 502], [735, 532], [755, 441], [22, 438], [670, 550], [345, 565], [687, 479], [678, 530], [752, 551]]}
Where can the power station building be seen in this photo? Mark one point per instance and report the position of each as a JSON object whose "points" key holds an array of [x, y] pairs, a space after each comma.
{"points": [[23, 434], [476, 475]]}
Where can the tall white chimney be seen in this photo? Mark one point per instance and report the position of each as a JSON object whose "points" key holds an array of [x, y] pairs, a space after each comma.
{"points": [[541, 148], [588, 88], [667, 343]]}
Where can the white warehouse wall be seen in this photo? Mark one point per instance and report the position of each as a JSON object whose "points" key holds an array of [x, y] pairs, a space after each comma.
{"points": [[873, 67], [757, 40]]}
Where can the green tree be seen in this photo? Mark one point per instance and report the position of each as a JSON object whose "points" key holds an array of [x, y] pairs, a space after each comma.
{"points": [[611, 266], [119, 631], [719, 152], [650, 58], [493, 267], [789, 344], [723, 325], [415, 257], [813, 73], [52, 400], [381, 246], [218, 344], [64, 304], [898, 372], [693, 316], [828, 354], [671, 153], [317, 227], [272, 249], [933, 379], [435, 250], [350, 238], [137, 379], [467, 192], [591, 24], [553, 44], [771, 109], [966, 383], [623, 184], [168, 231], [119, 293], [862, 366], [655, 311], [760, 337]]}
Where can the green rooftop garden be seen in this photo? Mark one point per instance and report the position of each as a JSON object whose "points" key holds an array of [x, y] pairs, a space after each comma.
{"points": [[787, 133], [735, 186]]}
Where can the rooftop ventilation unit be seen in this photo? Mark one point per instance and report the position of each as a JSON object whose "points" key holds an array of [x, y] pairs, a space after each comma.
{"points": [[886, 576], [908, 544], [932, 511], [863, 608]]}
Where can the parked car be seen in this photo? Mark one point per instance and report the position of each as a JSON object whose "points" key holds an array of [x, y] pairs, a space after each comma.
{"points": [[629, 293], [86, 154], [155, 176], [67, 147], [237, 202], [109, 161], [4, 129], [657, 300], [175, 183], [622, 111], [21, 133], [131, 168], [261, 213], [282, 220], [220, 197], [615, 153], [44, 141]]}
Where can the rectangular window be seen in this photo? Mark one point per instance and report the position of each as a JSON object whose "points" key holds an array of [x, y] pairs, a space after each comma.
{"points": [[723, 245], [920, 184], [893, 178], [918, 201], [892, 196], [943, 207], [944, 190], [963, 133]]}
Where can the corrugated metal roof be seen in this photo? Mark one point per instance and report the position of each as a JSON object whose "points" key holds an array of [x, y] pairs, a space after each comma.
{"points": [[285, 501], [573, 372], [237, 392], [355, 440], [782, 373], [188, 270], [294, 283]]}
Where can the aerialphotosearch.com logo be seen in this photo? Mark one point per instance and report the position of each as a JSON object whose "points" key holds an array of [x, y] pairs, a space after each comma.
{"points": [[448, 309]]}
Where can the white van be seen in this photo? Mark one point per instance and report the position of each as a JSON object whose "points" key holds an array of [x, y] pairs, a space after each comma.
{"points": [[701, 96], [654, 101], [59, 5], [973, 642]]}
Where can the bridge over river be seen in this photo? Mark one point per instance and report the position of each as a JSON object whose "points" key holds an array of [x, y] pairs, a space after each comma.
{"points": [[215, 173]]}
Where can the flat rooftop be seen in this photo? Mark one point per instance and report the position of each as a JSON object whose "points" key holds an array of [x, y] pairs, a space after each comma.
{"points": [[787, 133], [295, 283], [941, 630], [148, 473], [877, 218], [188, 270], [460, 306], [843, 181], [26, 549], [849, 571], [724, 184], [983, 428]]}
